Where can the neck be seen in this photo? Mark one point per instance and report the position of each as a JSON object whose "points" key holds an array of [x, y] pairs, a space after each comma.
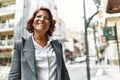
{"points": [[41, 39], [40, 36]]}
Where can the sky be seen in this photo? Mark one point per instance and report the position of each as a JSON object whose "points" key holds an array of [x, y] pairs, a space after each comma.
{"points": [[71, 12]]}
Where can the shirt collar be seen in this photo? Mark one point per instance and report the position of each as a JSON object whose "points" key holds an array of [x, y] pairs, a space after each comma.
{"points": [[49, 37]]}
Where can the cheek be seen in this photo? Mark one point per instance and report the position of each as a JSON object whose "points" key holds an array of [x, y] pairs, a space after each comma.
{"points": [[48, 24], [35, 21]]}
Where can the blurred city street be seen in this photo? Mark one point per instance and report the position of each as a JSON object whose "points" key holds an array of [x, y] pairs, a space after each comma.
{"points": [[89, 32], [77, 71]]}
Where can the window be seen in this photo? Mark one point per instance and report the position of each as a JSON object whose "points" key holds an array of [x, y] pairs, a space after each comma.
{"points": [[2, 40], [3, 24], [10, 39], [12, 6], [11, 23]]}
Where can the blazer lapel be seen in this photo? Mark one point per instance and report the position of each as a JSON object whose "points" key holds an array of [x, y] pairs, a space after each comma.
{"points": [[57, 48], [58, 51], [30, 54]]}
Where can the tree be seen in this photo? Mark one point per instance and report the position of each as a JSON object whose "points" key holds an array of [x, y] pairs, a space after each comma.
{"points": [[94, 27]]}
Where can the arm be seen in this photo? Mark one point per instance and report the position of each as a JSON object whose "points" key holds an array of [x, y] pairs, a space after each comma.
{"points": [[15, 71], [64, 72]]}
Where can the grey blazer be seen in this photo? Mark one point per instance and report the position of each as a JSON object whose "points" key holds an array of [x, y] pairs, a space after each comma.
{"points": [[24, 65]]}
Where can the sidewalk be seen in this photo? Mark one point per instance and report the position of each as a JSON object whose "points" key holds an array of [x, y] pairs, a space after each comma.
{"points": [[3, 76], [106, 72], [113, 72], [107, 77], [4, 70]]}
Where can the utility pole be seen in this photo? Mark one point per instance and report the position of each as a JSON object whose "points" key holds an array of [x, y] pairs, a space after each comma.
{"points": [[86, 23], [86, 42], [117, 45]]}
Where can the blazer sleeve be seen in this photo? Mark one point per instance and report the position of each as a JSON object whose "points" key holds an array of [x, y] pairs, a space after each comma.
{"points": [[15, 71], [64, 72]]}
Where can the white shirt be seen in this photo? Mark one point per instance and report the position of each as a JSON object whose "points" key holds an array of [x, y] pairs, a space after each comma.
{"points": [[45, 61]]}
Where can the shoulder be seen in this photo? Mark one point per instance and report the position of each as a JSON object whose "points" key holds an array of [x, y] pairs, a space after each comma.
{"points": [[21, 41], [56, 43]]}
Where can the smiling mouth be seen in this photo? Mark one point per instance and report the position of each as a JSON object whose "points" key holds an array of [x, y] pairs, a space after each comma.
{"points": [[41, 24]]}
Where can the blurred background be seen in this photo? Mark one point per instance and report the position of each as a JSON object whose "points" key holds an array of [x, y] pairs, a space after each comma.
{"points": [[89, 31]]}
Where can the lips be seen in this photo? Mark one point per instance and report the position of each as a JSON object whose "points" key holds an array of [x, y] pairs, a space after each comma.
{"points": [[41, 24]]}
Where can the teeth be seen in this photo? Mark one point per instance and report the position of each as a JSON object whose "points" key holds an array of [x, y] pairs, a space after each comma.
{"points": [[40, 24]]}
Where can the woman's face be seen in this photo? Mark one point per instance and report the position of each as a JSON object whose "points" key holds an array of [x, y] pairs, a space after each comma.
{"points": [[41, 21]]}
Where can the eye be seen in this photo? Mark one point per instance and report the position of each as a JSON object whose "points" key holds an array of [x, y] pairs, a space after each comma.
{"points": [[44, 17], [39, 16], [47, 18]]}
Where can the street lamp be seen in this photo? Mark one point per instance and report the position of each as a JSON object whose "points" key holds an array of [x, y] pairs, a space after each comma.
{"points": [[86, 23], [97, 3]]}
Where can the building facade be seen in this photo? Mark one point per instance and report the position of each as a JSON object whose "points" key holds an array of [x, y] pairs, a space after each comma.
{"points": [[109, 25], [7, 20]]}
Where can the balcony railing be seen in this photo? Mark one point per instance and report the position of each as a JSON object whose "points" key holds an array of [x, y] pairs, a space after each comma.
{"points": [[6, 26], [10, 42], [7, 9], [2, 42], [6, 42]]}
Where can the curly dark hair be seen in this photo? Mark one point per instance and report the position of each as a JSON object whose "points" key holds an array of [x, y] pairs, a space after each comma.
{"points": [[29, 25]]}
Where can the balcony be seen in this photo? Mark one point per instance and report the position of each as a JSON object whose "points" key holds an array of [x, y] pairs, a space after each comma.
{"points": [[6, 1], [6, 44], [113, 6], [7, 10], [10, 42], [6, 27], [2, 43]]}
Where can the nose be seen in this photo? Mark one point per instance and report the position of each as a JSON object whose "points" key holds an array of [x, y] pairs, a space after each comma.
{"points": [[42, 18]]}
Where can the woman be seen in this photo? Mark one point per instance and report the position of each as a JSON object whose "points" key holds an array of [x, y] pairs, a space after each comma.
{"points": [[39, 57]]}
